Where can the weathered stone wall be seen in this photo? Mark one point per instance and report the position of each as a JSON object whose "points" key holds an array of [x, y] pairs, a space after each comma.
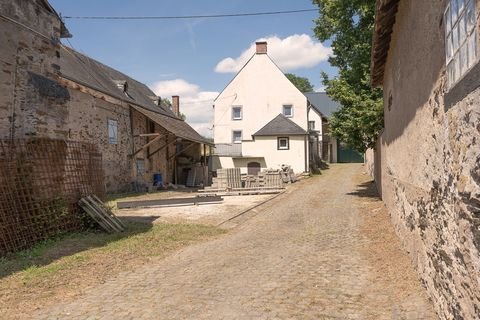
{"points": [[87, 121], [430, 162], [28, 66], [37, 102]]}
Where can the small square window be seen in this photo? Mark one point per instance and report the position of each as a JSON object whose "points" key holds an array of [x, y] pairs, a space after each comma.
{"points": [[112, 131], [237, 136], [237, 113], [283, 143], [311, 125], [288, 110]]}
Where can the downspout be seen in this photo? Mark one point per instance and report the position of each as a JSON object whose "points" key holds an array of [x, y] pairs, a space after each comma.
{"points": [[306, 153], [307, 138]]}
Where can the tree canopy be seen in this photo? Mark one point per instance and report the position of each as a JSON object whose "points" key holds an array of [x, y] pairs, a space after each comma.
{"points": [[302, 83], [348, 24]]}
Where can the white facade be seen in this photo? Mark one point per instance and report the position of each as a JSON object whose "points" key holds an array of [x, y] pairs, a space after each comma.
{"points": [[262, 92]]}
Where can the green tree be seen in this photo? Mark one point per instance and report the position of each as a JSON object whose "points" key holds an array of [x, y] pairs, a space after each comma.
{"points": [[302, 84], [348, 24], [168, 104]]}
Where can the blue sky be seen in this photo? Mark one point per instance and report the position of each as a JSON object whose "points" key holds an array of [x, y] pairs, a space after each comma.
{"points": [[183, 56]]}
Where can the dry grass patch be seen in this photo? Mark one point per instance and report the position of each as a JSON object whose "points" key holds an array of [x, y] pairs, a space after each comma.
{"points": [[60, 269]]}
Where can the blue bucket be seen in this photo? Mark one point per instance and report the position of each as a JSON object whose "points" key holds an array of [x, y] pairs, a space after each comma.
{"points": [[157, 179]]}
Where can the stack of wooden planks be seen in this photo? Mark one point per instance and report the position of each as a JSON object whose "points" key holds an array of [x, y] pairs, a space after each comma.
{"points": [[101, 214]]}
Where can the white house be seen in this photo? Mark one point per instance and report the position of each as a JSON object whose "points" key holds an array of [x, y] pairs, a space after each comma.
{"points": [[261, 120]]}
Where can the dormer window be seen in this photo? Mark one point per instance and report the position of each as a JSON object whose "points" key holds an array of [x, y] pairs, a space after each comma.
{"points": [[122, 85], [156, 100]]}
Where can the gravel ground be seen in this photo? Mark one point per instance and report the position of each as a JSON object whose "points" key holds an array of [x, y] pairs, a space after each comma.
{"points": [[323, 250], [211, 214]]}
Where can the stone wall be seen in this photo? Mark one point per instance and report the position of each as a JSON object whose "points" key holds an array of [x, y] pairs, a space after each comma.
{"points": [[430, 163], [37, 102], [28, 66]]}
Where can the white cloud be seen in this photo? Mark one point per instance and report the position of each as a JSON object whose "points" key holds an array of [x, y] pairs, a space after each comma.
{"points": [[294, 52], [194, 103]]}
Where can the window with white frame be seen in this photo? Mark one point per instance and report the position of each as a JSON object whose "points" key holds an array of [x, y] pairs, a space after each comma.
{"points": [[288, 110], [460, 38], [283, 143], [112, 131], [237, 113], [237, 136], [311, 125]]}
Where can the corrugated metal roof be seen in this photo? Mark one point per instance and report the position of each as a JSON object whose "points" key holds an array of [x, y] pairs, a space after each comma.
{"points": [[280, 125]]}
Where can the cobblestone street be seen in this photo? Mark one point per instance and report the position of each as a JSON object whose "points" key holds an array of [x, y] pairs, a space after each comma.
{"points": [[302, 255]]}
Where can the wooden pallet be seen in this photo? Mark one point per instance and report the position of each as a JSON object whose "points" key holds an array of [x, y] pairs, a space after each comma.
{"points": [[245, 192], [101, 214], [169, 202], [228, 178], [210, 190]]}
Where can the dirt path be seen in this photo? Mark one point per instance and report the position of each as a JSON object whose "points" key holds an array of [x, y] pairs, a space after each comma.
{"points": [[323, 250]]}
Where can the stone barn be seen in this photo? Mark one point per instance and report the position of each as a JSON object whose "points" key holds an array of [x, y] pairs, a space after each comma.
{"points": [[52, 91]]}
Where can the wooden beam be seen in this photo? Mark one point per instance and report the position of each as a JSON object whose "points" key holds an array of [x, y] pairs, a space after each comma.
{"points": [[146, 145], [160, 149], [186, 148], [146, 135]]}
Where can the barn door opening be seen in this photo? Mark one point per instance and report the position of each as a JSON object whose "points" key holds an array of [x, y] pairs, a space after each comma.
{"points": [[253, 168]]}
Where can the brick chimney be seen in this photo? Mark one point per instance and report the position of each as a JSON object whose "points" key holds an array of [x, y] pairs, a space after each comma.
{"points": [[261, 47], [176, 105]]}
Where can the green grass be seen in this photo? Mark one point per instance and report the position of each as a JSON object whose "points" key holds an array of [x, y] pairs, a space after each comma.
{"points": [[72, 254]]}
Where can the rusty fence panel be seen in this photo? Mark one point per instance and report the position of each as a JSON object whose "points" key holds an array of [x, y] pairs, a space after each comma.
{"points": [[41, 181]]}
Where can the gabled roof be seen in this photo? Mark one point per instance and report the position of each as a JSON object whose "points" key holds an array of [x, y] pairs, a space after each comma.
{"points": [[321, 102], [280, 125], [64, 33], [245, 65], [385, 13], [95, 75]]}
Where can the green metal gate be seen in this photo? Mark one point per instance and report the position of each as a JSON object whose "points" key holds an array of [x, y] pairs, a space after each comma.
{"points": [[346, 154]]}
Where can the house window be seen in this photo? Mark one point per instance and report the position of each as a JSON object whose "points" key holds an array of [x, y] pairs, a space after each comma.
{"points": [[460, 38], [237, 113], [237, 136], [311, 125], [112, 131], [288, 110], [283, 143], [140, 167]]}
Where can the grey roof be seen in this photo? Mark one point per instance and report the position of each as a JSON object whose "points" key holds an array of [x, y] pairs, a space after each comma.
{"points": [[280, 125], [88, 72], [322, 103]]}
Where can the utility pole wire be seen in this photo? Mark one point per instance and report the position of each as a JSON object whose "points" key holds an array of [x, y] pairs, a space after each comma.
{"points": [[189, 17]]}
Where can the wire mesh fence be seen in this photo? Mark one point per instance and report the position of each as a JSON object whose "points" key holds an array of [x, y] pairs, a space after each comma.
{"points": [[41, 181]]}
